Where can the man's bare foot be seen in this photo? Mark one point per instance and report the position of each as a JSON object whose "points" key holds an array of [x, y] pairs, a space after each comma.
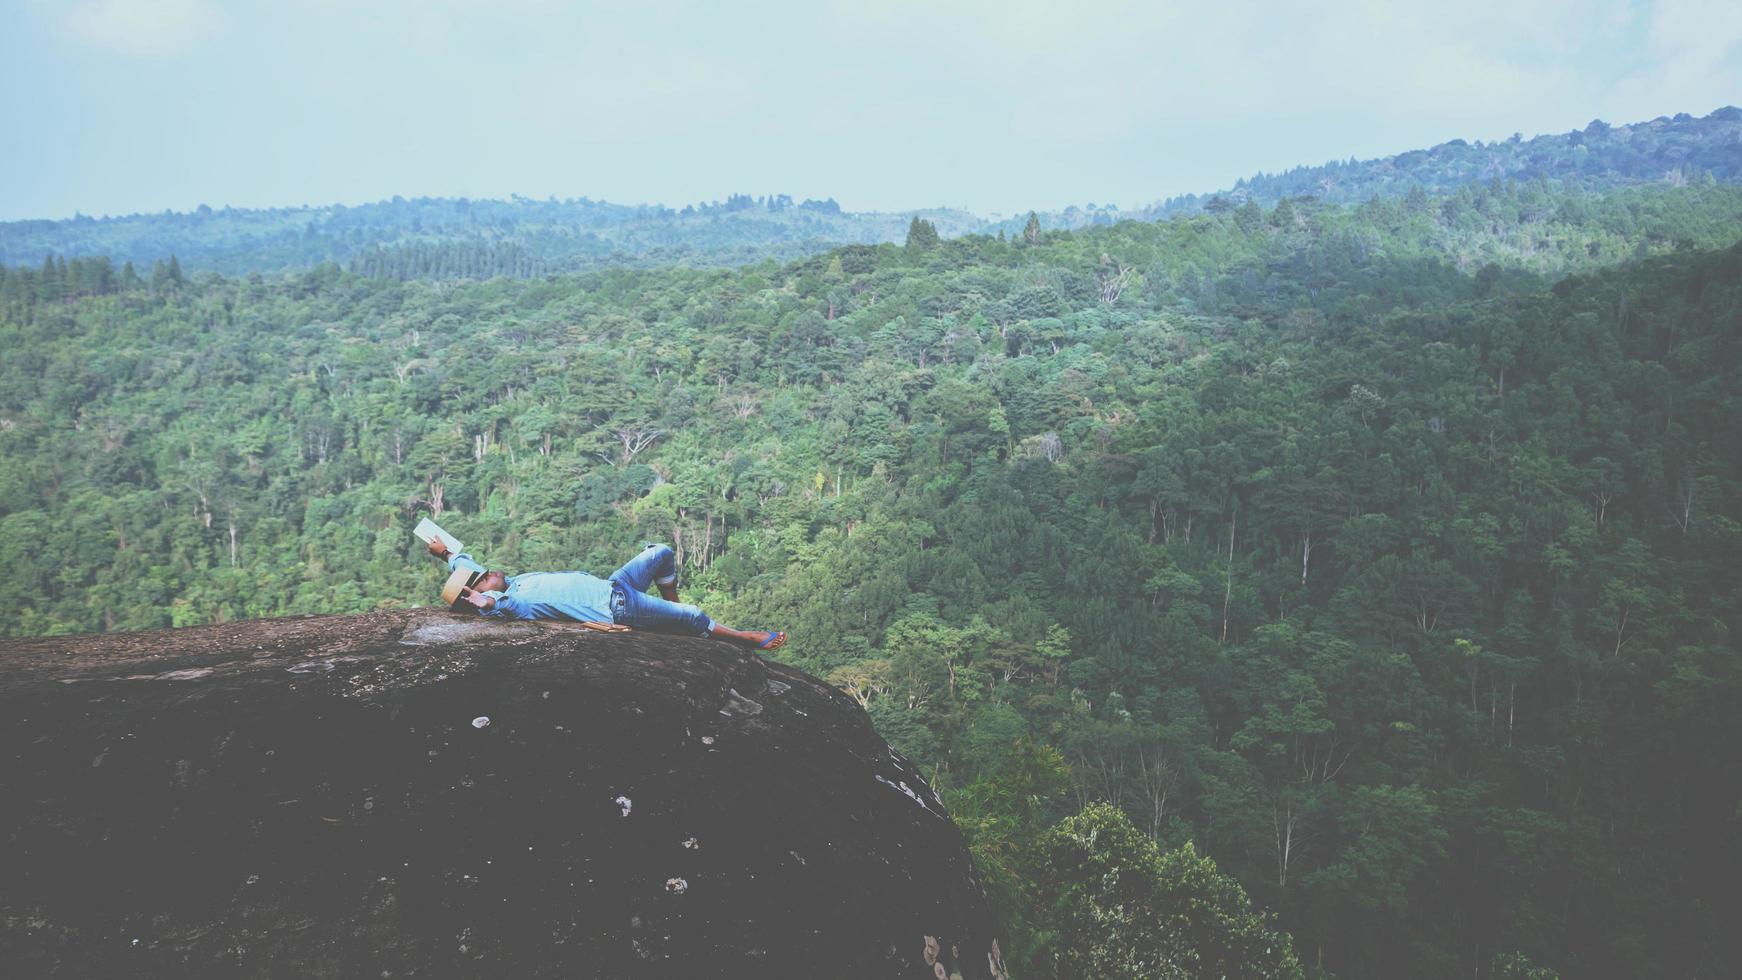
{"points": [[667, 591], [762, 640]]}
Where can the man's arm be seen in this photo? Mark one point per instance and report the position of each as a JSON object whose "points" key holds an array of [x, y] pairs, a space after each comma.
{"points": [[490, 604], [439, 548]]}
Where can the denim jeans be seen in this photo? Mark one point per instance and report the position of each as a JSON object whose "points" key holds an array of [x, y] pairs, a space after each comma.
{"points": [[631, 605]]}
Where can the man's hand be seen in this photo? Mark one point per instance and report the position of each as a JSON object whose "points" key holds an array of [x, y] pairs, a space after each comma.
{"points": [[438, 547], [478, 599]]}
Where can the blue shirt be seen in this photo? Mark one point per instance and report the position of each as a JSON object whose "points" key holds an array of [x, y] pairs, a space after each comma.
{"points": [[547, 595]]}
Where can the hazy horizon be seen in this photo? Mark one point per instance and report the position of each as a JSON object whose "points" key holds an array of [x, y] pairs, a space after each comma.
{"points": [[153, 105], [758, 192]]}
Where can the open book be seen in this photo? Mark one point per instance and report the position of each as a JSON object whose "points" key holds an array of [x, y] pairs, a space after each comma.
{"points": [[428, 530]]}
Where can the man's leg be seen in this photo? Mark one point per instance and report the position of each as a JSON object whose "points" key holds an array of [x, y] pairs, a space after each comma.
{"points": [[644, 612], [656, 565]]}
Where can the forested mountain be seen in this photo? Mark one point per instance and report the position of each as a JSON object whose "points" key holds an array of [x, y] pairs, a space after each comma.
{"points": [[439, 238], [1599, 157], [1387, 552]]}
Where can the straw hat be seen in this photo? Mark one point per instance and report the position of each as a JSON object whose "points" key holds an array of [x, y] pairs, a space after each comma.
{"points": [[462, 578]]}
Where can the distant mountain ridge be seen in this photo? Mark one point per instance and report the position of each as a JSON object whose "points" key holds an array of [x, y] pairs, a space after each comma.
{"points": [[1672, 149], [443, 238], [1600, 157]]}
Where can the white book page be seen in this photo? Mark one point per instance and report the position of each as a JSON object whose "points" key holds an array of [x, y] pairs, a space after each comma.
{"points": [[428, 530]]}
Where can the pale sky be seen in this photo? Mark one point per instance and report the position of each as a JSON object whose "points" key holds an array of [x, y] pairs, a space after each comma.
{"points": [[120, 106]]}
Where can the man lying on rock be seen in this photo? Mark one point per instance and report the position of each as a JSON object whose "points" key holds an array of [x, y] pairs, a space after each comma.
{"points": [[621, 599]]}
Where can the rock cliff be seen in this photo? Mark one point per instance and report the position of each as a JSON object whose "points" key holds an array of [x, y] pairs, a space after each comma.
{"points": [[420, 794]]}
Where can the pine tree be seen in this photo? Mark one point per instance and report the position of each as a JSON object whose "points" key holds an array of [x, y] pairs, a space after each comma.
{"points": [[1031, 231], [51, 286], [922, 235], [1283, 217], [1249, 217]]}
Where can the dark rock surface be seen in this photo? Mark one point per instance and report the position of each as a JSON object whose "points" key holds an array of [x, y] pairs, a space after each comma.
{"points": [[419, 794]]}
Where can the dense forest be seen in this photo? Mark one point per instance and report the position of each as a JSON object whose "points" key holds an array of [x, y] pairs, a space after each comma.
{"points": [[441, 238], [1371, 564]]}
